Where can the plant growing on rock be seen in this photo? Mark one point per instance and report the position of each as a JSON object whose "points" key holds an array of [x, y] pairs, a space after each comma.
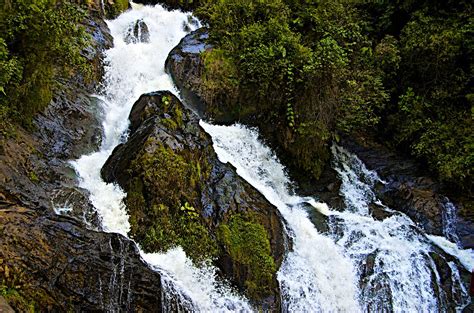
{"points": [[40, 44]]}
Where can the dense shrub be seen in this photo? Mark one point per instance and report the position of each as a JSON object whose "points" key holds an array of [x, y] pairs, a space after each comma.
{"points": [[40, 41], [314, 70], [306, 68]]}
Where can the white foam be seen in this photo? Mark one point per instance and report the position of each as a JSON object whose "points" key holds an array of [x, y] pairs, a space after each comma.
{"points": [[315, 276], [466, 256], [131, 70]]}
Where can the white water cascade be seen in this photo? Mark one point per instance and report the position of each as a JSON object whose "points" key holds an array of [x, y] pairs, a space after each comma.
{"points": [[315, 276], [131, 70], [399, 277], [332, 273], [323, 272]]}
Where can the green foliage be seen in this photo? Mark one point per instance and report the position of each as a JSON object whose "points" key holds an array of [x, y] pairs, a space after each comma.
{"points": [[314, 69], [305, 67], [115, 7], [247, 243], [161, 201], [40, 41], [428, 70]]}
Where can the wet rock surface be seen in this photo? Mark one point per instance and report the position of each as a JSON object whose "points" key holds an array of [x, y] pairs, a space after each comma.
{"points": [[226, 205], [137, 32], [53, 262], [34, 165], [58, 265], [185, 65]]}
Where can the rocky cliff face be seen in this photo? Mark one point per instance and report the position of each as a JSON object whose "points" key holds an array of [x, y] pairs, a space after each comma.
{"points": [[59, 263], [179, 193]]}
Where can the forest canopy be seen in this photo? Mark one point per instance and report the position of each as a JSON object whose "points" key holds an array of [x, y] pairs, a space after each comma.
{"points": [[399, 69]]}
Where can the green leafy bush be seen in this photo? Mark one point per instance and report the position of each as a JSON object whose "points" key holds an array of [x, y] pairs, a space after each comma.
{"points": [[40, 42]]}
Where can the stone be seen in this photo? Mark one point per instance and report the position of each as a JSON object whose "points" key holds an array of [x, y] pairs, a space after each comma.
{"points": [[172, 175], [58, 265], [137, 32]]}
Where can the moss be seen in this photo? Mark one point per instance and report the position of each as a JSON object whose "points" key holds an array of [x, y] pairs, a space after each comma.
{"points": [[15, 287], [163, 200], [173, 109], [169, 123], [247, 243], [33, 177], [117, 7]]}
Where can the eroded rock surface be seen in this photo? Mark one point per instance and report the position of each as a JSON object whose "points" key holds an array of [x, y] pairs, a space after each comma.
{"points": [[52, 263]]}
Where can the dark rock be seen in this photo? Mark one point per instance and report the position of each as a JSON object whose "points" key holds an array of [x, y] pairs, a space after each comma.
{"points": [[378, 212], [35, 165], [70, 126], [58, 265], [185, 65], [137, 32], [162, 127], [421, 205]]}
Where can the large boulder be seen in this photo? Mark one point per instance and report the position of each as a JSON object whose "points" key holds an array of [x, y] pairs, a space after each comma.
{"points": [[186, 67], [179, 193], [54, 264]]}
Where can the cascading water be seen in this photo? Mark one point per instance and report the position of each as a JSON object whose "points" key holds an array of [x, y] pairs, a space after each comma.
{"points": [[315, 276], [449, 221], [363, 264], [397, 252], [366, 264], [131, 70]]}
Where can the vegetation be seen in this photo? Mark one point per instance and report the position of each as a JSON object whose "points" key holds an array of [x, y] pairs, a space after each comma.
{"points": [[40, 41], [168, 183], [247, 243], [40, 46], [12, 282], [305, 67], [162, 198], [317, 69]]}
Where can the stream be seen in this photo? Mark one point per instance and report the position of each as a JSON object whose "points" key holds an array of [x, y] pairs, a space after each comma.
{"points": [[359, 264]]}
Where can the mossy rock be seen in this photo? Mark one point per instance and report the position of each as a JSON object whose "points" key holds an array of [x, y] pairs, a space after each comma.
{"points": [[179, 193], [114, 8], [246, 241], [208, 81]]}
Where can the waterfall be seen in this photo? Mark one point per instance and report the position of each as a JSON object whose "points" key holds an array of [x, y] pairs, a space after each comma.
{"points": [[399, 255], [315, 276], [364, 263], [449, 221], [131, 70]]}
